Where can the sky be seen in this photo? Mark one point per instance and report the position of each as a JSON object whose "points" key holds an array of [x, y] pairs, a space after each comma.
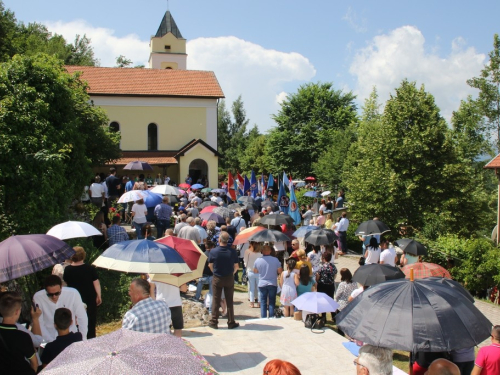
{"points": [[265, 50]]}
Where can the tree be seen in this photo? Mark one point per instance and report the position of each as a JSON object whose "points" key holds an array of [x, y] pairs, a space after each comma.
{"points": [[223, 123], [404, 168], [51, 137], [82, 52], [488, 85], [123, 62], [8, 29], [304, 123], [254, 155]]}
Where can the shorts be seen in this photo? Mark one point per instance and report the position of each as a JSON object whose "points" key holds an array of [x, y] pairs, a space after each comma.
{"points": [[177, 318]]}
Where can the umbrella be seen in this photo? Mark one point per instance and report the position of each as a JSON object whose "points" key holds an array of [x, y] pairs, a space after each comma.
{"points": [[453, 284], [184, 186], [207, 204], [27, 254], [269, 235], [208, 209], [303, 230], [243, 236], [235, 206], [421, 315], [311, 194], [411, 246], [206, 190], [372, 274], [276, 219], [310, 178], [165, 190], [300, 184], [132, 196], [212, 216], [172, 199], [224, 212], [315, 302], [142, 256], [268, 203], [152, 199], [192, 255], [246, 199], [196, 186], [138, 166], [130, 352], [371, 227], [422, 270], [73, 229], [325, 193], [219, 191], [320, 237]]}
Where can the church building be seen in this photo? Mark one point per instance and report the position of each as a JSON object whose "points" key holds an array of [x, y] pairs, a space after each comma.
{"points": [[166, 114]]}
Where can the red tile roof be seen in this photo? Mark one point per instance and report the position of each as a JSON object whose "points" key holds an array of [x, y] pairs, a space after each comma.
{"points": [[149, 82], [494, 163], [151, 157]]}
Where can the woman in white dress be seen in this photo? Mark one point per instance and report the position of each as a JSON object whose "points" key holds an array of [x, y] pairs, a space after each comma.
{"points": [[288, 288]]}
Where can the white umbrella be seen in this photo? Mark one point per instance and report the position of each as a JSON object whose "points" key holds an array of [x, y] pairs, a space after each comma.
{"points": [[73, 229], [325, 193], [315, 302], [165, 190], [132, 196]]}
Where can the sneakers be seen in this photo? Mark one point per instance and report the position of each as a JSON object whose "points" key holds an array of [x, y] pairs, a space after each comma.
{"points": [[233, 325], [213, 326]]}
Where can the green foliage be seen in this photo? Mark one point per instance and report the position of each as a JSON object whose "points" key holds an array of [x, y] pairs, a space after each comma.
{"points": [[304, 125], [50, 137], [254, 156], [8, 28], [488, 85], [123, 62]]}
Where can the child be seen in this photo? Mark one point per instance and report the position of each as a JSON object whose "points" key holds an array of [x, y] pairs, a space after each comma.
{"points": [[62, 321], [288, 289]]}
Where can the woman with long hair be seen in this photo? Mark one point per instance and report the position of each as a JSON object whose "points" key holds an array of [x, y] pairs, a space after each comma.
{"points": [[100, 242], [372, 253], [345, 288], [304, 281], [251, 255], [139, 212]]}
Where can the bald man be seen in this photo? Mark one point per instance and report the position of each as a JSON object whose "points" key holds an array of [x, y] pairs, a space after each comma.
{"points": [[442, 366]]}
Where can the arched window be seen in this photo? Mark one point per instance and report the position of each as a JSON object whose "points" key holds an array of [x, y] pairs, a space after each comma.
{"points": [[152, 137], [114, 127]]}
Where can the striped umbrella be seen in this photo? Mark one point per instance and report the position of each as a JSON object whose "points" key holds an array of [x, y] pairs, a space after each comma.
{"points": [[422, 270]]}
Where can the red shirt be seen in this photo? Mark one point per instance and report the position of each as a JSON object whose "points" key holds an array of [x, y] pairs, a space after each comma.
{"points": [[488, 359]]}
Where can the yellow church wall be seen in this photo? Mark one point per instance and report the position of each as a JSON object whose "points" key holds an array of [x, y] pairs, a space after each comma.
{"points": [[176, 126], [200, 152], [171, 65], [176, 45]]}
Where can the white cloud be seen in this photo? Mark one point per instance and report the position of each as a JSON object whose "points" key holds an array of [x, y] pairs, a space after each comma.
{"points": [[389, 58], [358, 24], [107, 46], [281, 97], [247, 69]]}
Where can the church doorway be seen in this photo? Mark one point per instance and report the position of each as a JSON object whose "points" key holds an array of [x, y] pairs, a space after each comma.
{"points": [[198, 170]]}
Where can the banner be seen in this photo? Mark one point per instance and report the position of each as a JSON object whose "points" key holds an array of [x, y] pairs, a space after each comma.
{"points": [[294, 210], [286, 182], [283, 200], [253, 185], [246, 186]]}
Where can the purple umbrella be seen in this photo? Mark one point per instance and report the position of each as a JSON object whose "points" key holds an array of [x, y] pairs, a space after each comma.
{"points": [[213, 216], [138, 166], [27, 254], [130, 352]]}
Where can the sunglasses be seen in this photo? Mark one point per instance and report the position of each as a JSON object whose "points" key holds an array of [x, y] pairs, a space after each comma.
{"points": [[50, 295]]}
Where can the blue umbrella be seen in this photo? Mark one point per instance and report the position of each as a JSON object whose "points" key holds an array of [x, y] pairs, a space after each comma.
{"points": [[197, 186], [312, 194], [138, 166], [302, 231], [142, 256], [151, 199]]}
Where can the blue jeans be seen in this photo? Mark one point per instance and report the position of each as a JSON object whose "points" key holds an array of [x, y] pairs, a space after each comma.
{"points": [[265, 293], [253, 282], [203, 281], [138, 229], [161, 227]]}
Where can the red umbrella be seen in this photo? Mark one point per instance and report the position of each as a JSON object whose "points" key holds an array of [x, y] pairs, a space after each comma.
{"points": [[185, 186], [421, 270], [310, 178], [242, 237], [208, 209], [192, 255]]}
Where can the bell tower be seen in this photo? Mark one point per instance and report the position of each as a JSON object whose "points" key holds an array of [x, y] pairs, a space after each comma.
{"points": [[168, 47]]}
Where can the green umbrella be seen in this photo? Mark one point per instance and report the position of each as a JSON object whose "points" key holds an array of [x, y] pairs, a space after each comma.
{"points": [[206, 190]]}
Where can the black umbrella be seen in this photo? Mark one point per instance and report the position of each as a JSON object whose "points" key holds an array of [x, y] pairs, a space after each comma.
{"points": [[269, 235], [235, 206], [224, 212], [207, 204], [453, 284], [213, 216], [268, 203], [421, 315], [321, 237], [246, 199], [371, 227], [411, 246], [276, 219], [372, 274], [138, 166]]}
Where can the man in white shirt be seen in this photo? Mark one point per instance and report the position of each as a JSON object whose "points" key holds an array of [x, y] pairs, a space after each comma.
{"points": [[388, 254], [189, 231], [181, 225], [201, 230], [308, 215], [54, 296], [342, 228], [238, 222]]}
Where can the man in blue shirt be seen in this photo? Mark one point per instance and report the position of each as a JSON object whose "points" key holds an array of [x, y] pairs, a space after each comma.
{"points": [[163, 212], [268, 268], [223, 262]]}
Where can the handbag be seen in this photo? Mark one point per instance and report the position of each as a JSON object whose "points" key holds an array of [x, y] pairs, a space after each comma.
{"points": [[314, 321]]}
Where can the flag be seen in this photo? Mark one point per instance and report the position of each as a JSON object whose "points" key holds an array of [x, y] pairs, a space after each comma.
{"points": [[253, 184], [286, 182], [294, 211], [270, 181], [240, 179], [246, 186], [231, 190], [283, 199], [263, 187]]}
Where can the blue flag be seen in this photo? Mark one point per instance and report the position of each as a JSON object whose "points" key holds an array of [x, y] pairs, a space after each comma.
{"points": [[253, 184], [283, 200], [270, 181], [286, 181], [294, 210], [246, 186]]}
